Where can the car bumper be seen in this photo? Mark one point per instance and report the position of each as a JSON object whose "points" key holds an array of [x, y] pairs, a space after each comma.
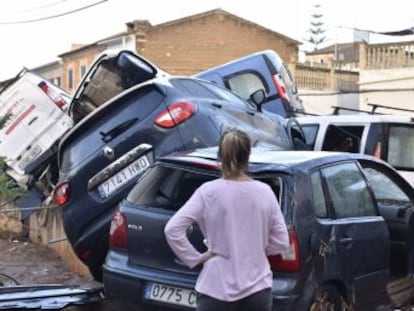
{"points": [[125, 287]]}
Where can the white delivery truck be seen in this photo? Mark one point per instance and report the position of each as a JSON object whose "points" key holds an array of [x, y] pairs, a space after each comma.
{"points": [[33, 113]]}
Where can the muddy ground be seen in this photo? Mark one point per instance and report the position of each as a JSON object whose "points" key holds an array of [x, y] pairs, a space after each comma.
{"points": [[25, 263]]}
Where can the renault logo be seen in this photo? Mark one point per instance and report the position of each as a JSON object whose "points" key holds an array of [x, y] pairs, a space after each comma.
{"points": [[109, 153]]}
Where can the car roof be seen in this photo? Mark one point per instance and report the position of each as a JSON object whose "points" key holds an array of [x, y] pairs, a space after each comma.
{"points": [[267, 52], [265, 159], [356, 118]]}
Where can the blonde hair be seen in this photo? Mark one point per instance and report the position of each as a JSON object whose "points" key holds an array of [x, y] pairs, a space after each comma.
{"points": [[234, 152]]}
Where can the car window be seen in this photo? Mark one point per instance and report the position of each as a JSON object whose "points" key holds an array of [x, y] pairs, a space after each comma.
{"points": [[225, 94], [348, 190], [276, 183], [319, 202], [108, 123], [401, 147], [386, 191], [167, 187], [343, 138], [311, 132], [193, 87], [245, 84]]}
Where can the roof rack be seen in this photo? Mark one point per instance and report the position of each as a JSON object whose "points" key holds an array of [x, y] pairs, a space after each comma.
{"points": [[338, 108], [372, 111], [375, 106]]}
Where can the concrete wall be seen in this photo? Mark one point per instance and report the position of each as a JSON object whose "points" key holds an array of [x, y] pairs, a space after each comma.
{"points": [[46, 228], [389, 87], [321, 102]]}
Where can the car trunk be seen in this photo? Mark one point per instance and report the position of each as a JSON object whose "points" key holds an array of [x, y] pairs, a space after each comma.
{"points": [[151, 248], [109, 122], [148, 208]]}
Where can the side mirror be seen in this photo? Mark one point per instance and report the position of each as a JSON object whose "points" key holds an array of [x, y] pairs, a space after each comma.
{"points": [[258, 97]]}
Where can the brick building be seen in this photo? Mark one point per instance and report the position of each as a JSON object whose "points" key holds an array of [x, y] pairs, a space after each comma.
{"points": [[185, 46]]}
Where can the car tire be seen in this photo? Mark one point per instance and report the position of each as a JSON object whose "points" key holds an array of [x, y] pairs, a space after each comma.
{"points": [[328, 298]]}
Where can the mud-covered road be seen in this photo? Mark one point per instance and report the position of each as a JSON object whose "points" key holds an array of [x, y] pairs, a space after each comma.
{"points": [[25, 263]]}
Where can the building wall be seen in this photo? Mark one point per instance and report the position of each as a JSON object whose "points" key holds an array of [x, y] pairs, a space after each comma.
{"points": [[75, 61], [388, 87], [320, 59], [323, 102], [193, 45], [52, 72]]}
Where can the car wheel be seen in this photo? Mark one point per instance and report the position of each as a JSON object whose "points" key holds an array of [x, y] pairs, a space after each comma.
{"points": [[328, 298]]}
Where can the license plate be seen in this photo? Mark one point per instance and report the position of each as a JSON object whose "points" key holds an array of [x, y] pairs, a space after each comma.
{"points": [[171, 294], [124, 176]]}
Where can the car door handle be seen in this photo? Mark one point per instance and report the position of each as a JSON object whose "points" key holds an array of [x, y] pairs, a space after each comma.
{"points": [[250, 113], [217, 105]]}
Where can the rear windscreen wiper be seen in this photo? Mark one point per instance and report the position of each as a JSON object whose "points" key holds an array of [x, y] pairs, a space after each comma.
{"points": [[112, 133]]}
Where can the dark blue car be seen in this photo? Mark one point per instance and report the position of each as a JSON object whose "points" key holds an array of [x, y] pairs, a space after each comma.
{"points": [[129, 112], [260, 70], [349, 219]]}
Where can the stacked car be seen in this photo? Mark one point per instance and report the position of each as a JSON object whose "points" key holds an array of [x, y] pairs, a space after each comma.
{"points": [[129, 113], [140, 141]]}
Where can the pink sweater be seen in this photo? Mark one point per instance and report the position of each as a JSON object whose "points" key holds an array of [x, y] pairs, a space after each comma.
{"points": [[242, 223]]}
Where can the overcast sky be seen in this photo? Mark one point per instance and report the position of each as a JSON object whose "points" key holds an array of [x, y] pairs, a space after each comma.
{"points": [[29, 43]]}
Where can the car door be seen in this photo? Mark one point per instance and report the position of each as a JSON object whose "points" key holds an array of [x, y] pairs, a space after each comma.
{"points": [[353, 237], [395, 199]]}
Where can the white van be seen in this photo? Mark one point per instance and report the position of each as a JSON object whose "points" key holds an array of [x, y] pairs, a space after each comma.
{"points": [[33, 111], [389, 137]]}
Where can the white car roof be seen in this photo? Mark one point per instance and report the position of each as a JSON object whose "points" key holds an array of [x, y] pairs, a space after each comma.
{"points": [[356, 119]]}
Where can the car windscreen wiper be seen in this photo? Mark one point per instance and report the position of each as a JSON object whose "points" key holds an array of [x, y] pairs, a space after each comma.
{"points": [[112, 133]]}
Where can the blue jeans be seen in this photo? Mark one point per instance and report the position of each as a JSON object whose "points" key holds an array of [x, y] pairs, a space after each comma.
{"points": [[260, 301]]}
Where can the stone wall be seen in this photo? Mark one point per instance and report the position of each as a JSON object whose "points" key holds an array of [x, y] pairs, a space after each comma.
{"points": [[44, 226]]}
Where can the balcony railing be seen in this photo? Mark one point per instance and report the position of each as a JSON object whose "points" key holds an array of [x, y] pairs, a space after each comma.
{"points": [[316, 78]]}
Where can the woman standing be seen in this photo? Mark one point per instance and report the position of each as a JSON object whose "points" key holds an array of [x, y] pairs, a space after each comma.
{"points": [[242, 223]]}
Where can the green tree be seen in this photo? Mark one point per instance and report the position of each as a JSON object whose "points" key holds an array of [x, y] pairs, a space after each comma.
{"points": [[316, 30], [9, 190]]}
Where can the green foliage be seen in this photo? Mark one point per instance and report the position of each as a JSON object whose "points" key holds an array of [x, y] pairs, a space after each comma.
{"points": [[9, 190], [316, 29], [4, 119]]}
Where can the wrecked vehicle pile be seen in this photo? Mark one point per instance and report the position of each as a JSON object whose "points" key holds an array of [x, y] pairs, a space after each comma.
{"points": [[34, 114], [129, 117], [149, 114], [339, 209]]}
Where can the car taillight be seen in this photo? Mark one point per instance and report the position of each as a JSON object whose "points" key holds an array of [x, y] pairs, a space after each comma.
{"points": [[289, 260], [175, 114], [280, 87], [118, 231], [61, 193], [55, 97]]}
